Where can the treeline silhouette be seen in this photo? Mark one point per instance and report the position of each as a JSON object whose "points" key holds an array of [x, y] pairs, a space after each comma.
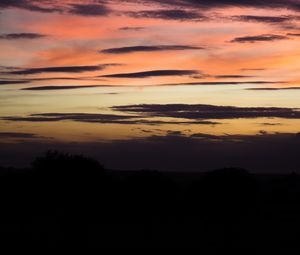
{"points": [[71, 203]]}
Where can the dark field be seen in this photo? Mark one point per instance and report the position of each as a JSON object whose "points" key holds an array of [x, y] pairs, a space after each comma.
{"points": [[72, 204]]}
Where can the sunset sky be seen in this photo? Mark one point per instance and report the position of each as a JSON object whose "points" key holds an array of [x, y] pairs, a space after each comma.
{"points": [[170, 85]]}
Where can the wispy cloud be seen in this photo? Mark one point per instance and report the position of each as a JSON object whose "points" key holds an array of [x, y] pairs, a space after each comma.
{"points": [[59, 69], [270, 89], [101, 118], [20, 36], [293, 34], [168, 14], [178, 9], [131, 28], [15, 135], [62, 87], [152, 73], [262, 19], [89, 9], [31, 5], [8, 82], [217, 4], [142, 48], [259, 38], [232, 76], [220, 83], [187, 111]]}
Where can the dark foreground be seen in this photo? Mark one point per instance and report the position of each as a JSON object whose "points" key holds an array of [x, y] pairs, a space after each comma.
{"points": [[67, 204]]}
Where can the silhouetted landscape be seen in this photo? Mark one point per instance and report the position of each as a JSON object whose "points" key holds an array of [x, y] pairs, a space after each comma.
{"points": [[71, 203], [149, 126]]}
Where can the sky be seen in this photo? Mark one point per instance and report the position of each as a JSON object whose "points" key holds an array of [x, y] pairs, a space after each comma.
{"points": [[185, 85]]}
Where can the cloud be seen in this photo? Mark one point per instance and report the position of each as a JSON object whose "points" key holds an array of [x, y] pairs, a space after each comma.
{"points": [[30, 80], [270, 89], [142, 48], [259, 38], [81, 117], [25, 81], [59, 69], [174, 133], [8, 82], [61, 87], [8, 68], [199, 111], [217, 4], [65, 78], [151, 74], [20, 36], [262, 19], [220, 83], [14, 135], [253, 69], [131, 28], [290, 26], [202, 135], [100, 118], [270, 124], [180, 9], [168, 14], [31, 5], [232, 76], [89, 10], [214, 83], [293, 34]]}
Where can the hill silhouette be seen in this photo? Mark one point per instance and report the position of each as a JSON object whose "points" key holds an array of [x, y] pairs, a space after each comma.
{"points": [[71, 203]]}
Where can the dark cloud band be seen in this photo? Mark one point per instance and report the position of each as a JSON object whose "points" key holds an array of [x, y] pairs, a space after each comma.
{"points": [[187, 111], [152, 73], [101, 118], [60, 87], [89, 10], [169, 14], [259, 38], [141, 48], [262, 19], [180, 9], [131, 28], [60, 69], [274, 89], [8, 82], [14, 135], [20, 36], [221, 83]]}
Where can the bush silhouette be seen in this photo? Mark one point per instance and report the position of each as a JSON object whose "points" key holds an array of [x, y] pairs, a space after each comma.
{"points": [[54, 160], [73, 181]]}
